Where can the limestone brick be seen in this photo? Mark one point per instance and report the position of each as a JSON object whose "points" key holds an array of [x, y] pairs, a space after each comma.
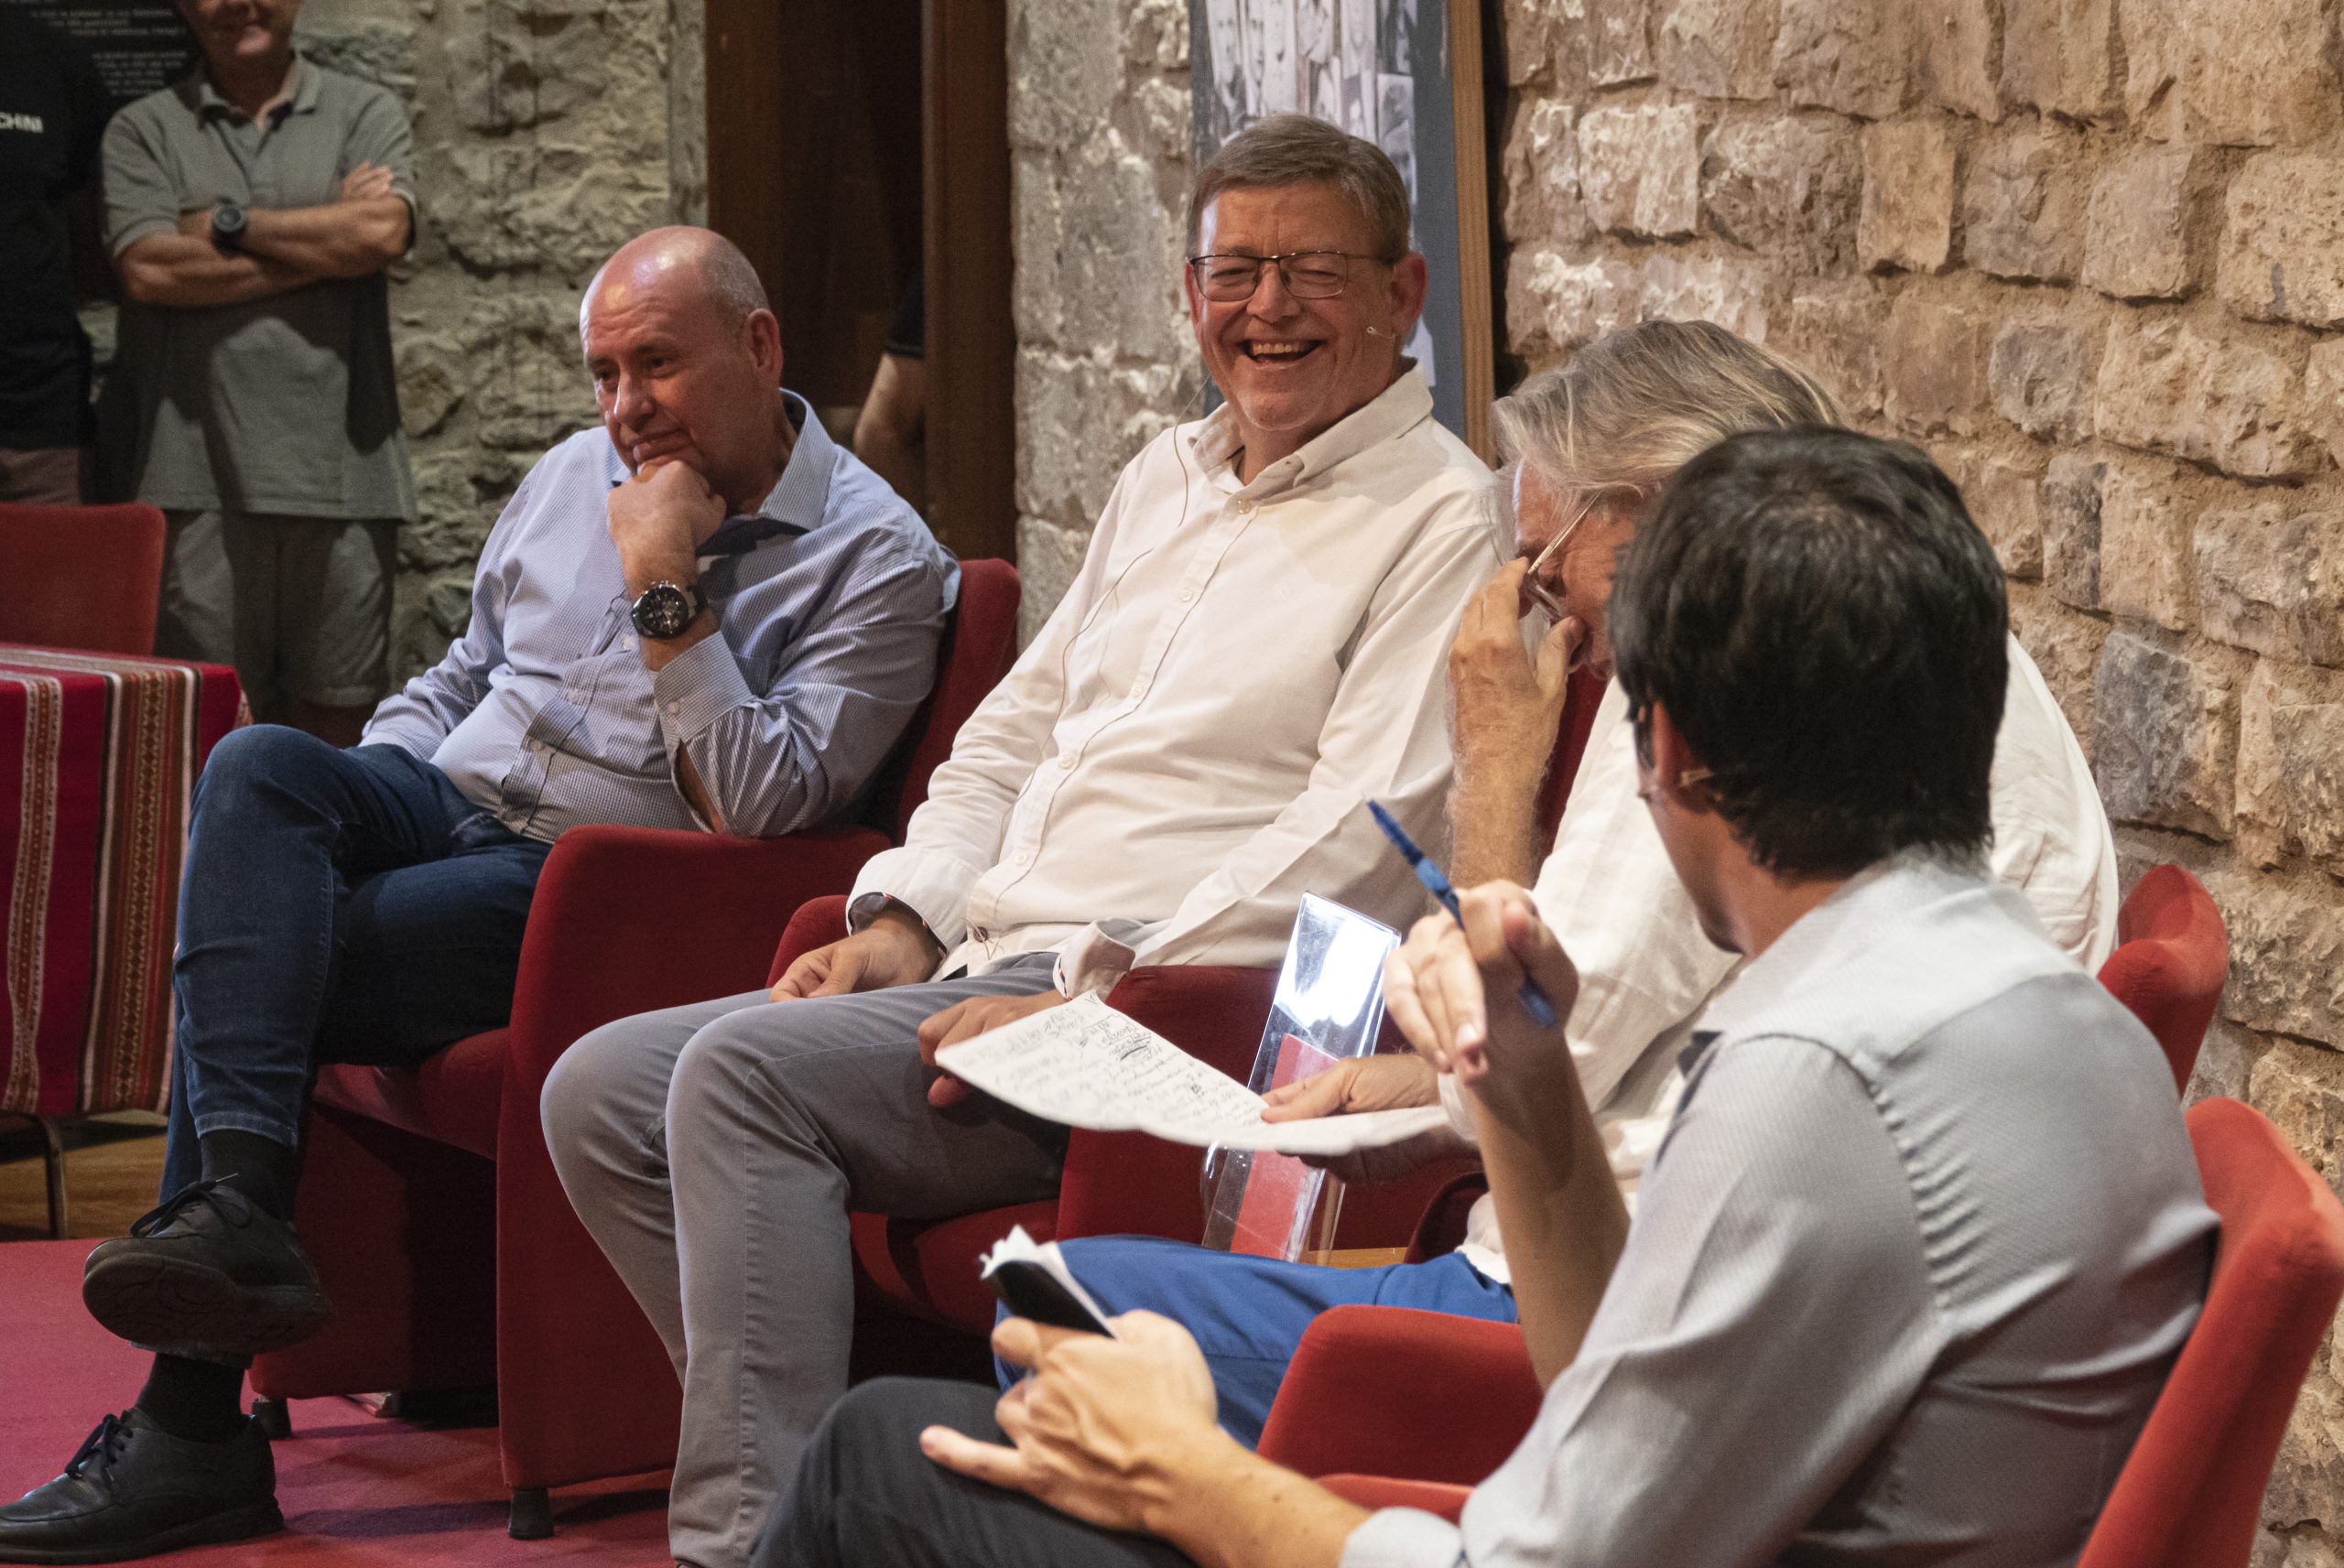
{"points": [[2151, 43], [1724, 289], [2228, 397], [1067, 68], [2270, 574], [1541, 174], [2165, 732], [2282, 240], [2071, 498], [2040, 374], [1570, 303], [2256, 72], [2144, 548], [2301, 1089], [1933, 364], [2066, 645], [1619, 41], [2286, 936], [2324, 392], [1786, 188], [1716, 49], [2139, 238], [2291, 764], [2022, 204], [1529, 35], [1906, 217], [1640, 169], [2226, 1062], [1961, 48], [1048, 556], [1854, 56], [2060, 56], [1833, 332], [2005, 500]]}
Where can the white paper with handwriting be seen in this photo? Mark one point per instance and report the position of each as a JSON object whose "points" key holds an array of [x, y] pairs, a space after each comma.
{"points": [[1087, 1065]]}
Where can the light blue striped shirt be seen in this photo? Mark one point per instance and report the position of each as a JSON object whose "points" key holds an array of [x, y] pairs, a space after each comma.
{"points": [[831, 601], [1904, 1279]]}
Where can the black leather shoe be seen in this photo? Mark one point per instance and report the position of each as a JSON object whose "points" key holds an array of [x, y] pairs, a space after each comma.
{"points": [[134, 1490], [206, 1275]]}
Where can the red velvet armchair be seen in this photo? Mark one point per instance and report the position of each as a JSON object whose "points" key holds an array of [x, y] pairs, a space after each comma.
{"points": [[428, 1199], [2172, 958], [2189, 1494]]}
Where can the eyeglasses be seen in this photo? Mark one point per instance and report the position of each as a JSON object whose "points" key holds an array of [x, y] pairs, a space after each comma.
{"points": [[1538, 591], [1228, 277]]}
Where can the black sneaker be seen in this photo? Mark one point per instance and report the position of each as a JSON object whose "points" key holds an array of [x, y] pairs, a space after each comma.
{"points": [[207, 1275], [134, 1490]]}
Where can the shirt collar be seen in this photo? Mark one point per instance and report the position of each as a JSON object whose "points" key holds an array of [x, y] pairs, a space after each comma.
{"points": [[799, 502], [1397, 409], [300, 101], [1878, 896]]}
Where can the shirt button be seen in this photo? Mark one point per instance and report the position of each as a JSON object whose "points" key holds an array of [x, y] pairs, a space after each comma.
{"points": [[629, 644], [1066, 759], [1024, 857], [675, 708], [1188, 595]]}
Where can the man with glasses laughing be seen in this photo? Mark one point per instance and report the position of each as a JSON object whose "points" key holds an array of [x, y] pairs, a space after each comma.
{"points": [[1254, 648]]}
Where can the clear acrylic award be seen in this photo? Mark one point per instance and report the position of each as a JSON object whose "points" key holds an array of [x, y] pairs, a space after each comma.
{"points": [[1328, 1006]]}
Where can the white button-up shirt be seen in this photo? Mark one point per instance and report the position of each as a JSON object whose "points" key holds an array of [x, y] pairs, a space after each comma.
{"points": [[1610, 896], [1187, 746]]}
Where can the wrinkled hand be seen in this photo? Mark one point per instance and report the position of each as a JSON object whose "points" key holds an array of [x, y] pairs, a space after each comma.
{"points": [[1455, 994], [368, 182], [1508, 711], [890, 951], [659, 519], [1103, 1428], [966, 1020], [1386, 1082]]}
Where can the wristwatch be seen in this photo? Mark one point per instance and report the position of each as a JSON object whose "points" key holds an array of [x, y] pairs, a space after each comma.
{"points": [[228, 227], [666, 608]]}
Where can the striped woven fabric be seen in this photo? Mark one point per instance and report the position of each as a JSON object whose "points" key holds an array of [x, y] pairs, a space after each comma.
{"points": [[98, 755]]}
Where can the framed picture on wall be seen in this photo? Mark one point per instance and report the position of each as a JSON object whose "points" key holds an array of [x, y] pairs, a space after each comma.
{"points": [[1407, 75]]}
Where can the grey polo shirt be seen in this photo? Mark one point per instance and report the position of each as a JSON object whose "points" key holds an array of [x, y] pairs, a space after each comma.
{"points": [[1905, 1278], [287, 405]]}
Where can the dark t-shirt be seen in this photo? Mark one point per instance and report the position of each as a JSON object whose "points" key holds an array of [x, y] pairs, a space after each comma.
{"points": [[52, 113]]}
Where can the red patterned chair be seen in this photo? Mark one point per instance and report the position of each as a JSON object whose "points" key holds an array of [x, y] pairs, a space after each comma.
{"points": [[80, 577], [428, 1199], [2189, 1495], [1119, 1184]]}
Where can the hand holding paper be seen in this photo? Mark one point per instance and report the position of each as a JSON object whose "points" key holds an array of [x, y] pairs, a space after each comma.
{"points": [[1087, 1065]]}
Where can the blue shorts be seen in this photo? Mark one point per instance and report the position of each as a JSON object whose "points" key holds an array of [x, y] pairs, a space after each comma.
{"points": [[1248, 1314]]}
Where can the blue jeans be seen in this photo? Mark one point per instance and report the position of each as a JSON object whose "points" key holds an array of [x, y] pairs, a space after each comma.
{"points": [[1248, 1314], [335, 906]]}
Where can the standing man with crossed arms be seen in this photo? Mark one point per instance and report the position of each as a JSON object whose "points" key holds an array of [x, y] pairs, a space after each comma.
{"points": [[251, 211]]}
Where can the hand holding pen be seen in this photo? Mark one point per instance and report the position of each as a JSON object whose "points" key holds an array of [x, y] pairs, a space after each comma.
{"points": [[1533, 1000]]}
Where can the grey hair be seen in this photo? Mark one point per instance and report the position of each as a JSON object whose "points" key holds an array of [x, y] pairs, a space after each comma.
{"points": [[1638, 404], [1294, 149]]}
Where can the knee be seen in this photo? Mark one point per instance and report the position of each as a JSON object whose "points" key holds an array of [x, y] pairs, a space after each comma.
{"points": [[258, 756], [725, 1062], [578, 1105]]}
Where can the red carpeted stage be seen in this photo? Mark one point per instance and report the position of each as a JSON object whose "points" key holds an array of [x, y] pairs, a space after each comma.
{"points": [[355, 1488]]}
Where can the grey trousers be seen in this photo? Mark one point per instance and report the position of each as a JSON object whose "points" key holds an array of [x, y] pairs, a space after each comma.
{"points": [[714, 1151]]}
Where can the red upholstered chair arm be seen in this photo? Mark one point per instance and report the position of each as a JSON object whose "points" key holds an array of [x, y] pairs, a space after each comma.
{"points": [[817, 922], [1393, 1392], [1388, 1492], [1127, 1183], [627, 920]]}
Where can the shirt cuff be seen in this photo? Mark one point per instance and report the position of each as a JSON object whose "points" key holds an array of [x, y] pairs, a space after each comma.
{"points": [[1102, 953], [1459, 1106], [933, 886], [1403, 1538], [423, 743], [697, 687]]}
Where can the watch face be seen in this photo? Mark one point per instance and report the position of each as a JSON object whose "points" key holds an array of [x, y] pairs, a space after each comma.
{"points": [[663, 611]]}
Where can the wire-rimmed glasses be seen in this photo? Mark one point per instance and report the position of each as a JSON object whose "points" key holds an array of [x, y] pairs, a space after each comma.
{"points": [[1228, 277]]}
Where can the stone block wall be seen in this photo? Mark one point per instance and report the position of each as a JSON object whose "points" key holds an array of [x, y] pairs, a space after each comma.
{"points": [[546, 132], [2090, 252], [1099, 162]]}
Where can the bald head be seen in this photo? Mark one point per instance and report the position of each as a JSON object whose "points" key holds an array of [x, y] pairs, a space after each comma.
{"points": [[686, 357], [681, 264]]}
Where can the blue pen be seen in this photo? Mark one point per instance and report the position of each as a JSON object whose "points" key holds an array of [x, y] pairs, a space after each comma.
{"points": [[1533, 1000]]}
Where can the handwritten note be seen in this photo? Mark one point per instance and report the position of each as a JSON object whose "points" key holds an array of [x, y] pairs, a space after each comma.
{"points": [[1087, 1065]]}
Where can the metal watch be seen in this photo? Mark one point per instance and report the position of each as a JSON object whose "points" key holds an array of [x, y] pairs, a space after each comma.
{"points": [[228, 227], [666, 608]]}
